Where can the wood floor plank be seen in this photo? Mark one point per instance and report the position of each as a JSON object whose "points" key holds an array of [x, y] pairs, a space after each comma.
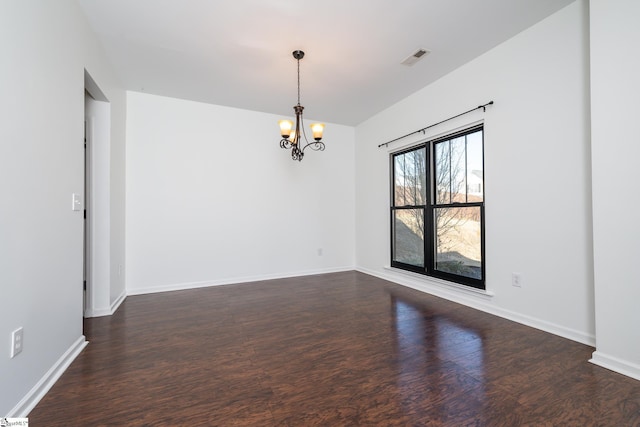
{"points": [[341, 349]]}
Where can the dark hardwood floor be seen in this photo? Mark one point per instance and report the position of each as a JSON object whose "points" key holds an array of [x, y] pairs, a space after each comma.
{"points": [[343, 349]]}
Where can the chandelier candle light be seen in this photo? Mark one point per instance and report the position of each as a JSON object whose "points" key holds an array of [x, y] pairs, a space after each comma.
{"points": [[290, 136]]}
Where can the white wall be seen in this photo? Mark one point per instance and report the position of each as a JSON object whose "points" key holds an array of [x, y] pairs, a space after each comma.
{"points": [[212, 198], [615, 92], [46, 47], [537, 174]]}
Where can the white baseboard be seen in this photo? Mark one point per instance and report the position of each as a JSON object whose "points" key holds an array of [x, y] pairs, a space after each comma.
{"points": [[232, 281], [615, 364], [22, 409], [479, 301], [118, 301], [99, 312]]}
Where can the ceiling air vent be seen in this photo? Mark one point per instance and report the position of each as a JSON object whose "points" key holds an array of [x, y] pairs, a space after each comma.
{"points": [[414, 57]]}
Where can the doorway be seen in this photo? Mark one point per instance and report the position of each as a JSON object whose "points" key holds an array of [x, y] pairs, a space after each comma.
{"points": [[96, 254]]}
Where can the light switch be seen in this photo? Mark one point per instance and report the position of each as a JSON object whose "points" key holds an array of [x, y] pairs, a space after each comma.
{"points": [[76, 202]]}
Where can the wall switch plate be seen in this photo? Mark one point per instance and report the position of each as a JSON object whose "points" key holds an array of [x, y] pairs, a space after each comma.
{"points": [[516, 280], [16, 342], [76, 202]]}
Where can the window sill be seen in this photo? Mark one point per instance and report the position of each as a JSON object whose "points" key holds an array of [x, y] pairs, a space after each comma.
{"points": [[442, 283]]}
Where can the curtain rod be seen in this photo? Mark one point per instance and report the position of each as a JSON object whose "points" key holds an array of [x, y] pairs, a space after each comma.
{"points": [[484, 108]]}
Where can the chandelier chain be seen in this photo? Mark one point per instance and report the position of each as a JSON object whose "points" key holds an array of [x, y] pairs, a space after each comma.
{"points": [[298, 82]]}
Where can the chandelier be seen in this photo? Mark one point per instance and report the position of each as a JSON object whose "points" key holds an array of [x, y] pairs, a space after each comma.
{"points": [[296, 138]]}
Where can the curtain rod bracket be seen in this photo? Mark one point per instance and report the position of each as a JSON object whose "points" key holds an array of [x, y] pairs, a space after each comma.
{"points": [[484, 107]]}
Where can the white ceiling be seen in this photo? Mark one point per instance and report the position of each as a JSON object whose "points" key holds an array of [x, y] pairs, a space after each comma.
{"points": [[238, 52]]}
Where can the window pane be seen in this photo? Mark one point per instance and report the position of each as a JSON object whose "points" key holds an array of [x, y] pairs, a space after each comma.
{"points": [[458, 241], [408, 236], [451, 171], [459, 170], [475, 177], [410, 178]]}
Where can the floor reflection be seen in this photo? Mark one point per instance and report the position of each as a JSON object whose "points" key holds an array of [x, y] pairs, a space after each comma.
{"points": [[430, 346]]}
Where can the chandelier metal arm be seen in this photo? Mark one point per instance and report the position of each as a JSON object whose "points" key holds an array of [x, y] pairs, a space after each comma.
{"points": [[315, 146]]}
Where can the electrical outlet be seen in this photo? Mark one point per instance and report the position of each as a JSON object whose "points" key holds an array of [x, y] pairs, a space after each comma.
{"points": [[16, 342], [516, 280]]}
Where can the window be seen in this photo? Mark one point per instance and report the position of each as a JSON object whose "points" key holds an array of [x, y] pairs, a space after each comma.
{"points": [[437, 208]]}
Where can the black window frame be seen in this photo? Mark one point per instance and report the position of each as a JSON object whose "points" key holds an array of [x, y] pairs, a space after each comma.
{"points": [[429, 212]]}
